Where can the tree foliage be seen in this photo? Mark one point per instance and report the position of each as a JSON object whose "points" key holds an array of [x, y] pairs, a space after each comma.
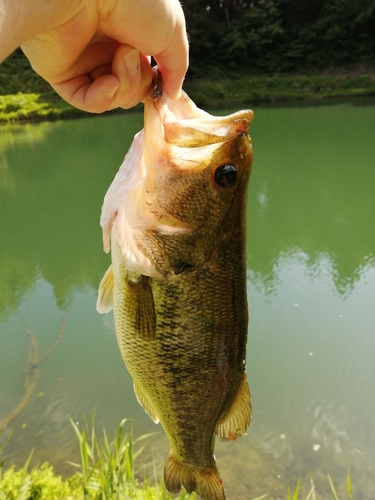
{"points": [[255, 37], [264, 36]]}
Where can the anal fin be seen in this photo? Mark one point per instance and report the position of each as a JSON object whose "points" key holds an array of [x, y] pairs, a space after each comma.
{"points": [[237, 419], [145, 403]]}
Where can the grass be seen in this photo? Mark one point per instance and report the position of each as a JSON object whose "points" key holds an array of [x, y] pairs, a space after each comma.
{"points": [[107, 471], [35, 107], [278, 88], [237, 91]]}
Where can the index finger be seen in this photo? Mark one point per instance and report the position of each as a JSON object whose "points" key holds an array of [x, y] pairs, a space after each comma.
{"points": [[173, 61]]}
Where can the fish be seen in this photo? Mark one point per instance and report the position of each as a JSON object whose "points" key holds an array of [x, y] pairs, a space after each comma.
{"points": [[174, 219]]}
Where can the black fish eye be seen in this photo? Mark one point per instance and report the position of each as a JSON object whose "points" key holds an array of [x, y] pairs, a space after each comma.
{"points": [[226, 175]]}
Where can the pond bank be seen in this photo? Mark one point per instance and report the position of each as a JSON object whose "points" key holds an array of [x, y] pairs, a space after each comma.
{"points": [[208, 93]]}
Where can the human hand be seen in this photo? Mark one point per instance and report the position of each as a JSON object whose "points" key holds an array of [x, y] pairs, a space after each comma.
{"points": [[94, 53]]}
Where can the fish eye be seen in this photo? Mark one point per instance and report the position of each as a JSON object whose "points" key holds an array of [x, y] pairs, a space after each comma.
{"points": [[226, 175]]}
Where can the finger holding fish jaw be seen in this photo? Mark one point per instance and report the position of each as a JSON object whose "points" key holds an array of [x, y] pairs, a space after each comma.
{"points": [[124, 82], [134, 74]]}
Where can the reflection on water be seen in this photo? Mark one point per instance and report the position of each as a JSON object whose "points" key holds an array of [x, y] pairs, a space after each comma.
{"points": [[311, 283], [13, 137], [313, 190]]}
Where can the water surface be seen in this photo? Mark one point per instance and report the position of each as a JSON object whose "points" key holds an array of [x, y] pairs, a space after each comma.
{"points": [[311, 284]]}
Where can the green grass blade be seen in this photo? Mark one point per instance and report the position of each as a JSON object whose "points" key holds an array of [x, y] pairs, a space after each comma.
{"points": [[288, 493], [138, 452], [334, 494], [348, 486], [3, 446], [145, 436], [23, 493], [73, 464], [296, 491], [86, 454], [26, 466]]}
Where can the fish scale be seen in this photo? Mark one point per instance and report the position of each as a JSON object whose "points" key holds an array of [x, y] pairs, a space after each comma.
{"points": [[177, 282]]}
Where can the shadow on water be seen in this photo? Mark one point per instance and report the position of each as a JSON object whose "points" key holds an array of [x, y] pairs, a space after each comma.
{"points": [[311, 244]]}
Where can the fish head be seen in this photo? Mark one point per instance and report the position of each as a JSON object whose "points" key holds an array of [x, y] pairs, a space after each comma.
{"points": [[185, 190]]}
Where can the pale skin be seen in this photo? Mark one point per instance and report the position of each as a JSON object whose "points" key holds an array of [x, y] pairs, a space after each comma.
{"points": [[95, 53]]}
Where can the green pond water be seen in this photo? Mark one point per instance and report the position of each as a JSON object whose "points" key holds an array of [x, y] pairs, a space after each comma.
{"points": [[311, 294]]}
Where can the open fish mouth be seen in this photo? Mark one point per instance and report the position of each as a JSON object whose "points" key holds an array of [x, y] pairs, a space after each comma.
{"points": [[185, 125]]}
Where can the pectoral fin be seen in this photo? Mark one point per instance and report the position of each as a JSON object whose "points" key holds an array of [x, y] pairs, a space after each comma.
{"points": [[141, 307], [145, 403], [235, 421], [104, 303]]}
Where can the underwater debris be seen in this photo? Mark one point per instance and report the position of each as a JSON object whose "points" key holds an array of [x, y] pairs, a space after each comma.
{"points": [[31, 373]]}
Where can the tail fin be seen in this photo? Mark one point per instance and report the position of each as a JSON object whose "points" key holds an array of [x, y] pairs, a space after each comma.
{"points": [[207, 483]]}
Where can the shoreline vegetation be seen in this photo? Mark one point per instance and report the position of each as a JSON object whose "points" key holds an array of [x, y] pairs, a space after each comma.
{"points": [[240, 91], [241, 53], [38, 102], [107, 471]]}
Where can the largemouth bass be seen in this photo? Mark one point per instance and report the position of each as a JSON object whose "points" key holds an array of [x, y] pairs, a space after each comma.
{"points": [[174, 217]]}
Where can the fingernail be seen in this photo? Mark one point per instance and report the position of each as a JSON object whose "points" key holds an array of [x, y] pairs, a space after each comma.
{"points": [[112, 92], [132, 61]]}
